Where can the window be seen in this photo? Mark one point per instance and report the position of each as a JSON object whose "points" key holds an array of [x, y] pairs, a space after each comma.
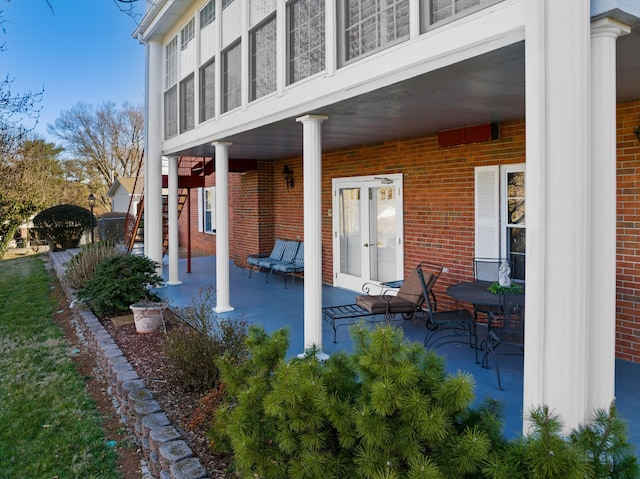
{"points": [[232, 81], [208, 14], [306, 39], [263, 59], [187, 33], [371, 25], [500, 215], [187, 104], [207, 91], [171, 91], [435, 11], [171, 112], [209, 210], [171, 63], [226, 3]]}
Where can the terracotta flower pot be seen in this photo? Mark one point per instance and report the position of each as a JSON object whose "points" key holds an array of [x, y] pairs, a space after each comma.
{"points": [[147, 316]]}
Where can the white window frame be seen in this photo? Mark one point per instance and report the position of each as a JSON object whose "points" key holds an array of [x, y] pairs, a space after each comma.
{"points": [[227, 91], [207, 14], [207, 91], [187, 103], [187, 34], [203, 195], [504, 209], [457, 11], [305, 60], [261, 55], [381, 43], [491, 209]]}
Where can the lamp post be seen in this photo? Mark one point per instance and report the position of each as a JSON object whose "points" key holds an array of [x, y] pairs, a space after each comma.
{"points": [[92, 203]]}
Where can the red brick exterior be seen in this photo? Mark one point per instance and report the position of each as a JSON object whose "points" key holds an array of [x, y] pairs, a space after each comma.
{"points": [[438, 206]]}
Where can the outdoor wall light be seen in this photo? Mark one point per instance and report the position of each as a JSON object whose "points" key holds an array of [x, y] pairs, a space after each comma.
{"points": [[92, 203], [287, 174], [637, 132]]}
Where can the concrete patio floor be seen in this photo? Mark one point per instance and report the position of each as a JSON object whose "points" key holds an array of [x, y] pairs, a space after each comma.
{"points": [[273, 307]]}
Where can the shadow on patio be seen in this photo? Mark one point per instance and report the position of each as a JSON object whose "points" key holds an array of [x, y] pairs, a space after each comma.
{"points": [[273, 307]]}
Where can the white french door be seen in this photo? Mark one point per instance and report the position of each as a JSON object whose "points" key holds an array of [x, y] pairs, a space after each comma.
{"points": [[367, 230]]}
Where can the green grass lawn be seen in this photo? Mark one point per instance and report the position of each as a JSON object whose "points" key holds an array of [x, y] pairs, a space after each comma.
{"points": [[49, 427]]}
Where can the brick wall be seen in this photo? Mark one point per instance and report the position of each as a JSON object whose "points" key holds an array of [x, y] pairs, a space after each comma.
{"points": [[438, 206], [628, 233]]}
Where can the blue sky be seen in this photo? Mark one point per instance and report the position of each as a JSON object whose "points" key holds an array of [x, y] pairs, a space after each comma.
{"points": [[83, 51]]}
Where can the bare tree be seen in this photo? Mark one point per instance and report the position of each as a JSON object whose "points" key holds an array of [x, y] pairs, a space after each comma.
{"points": [[107, 142]]}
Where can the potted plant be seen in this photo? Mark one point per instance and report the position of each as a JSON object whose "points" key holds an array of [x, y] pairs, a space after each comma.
{"points": [[148, 316], [120, 282]]}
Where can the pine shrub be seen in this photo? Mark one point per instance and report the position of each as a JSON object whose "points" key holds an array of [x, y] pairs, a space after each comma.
{"points": [[390, 411], [118, 282], [80, 269]]}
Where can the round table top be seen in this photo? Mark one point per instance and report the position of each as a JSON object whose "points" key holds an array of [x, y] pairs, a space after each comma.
{"points": [[475, 292]]}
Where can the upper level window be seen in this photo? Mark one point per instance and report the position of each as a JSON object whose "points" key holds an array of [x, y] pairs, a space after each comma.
{"points": [[231, 78], [207, 90], [171, 63], [187, 33], [435, 11], [187, 104], [208, 13], [226, 3], [263, 59], [371, 25], [306, 39]]}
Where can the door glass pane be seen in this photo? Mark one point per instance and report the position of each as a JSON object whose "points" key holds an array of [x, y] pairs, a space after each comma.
{"points": [[516, 232], [350, 233], [382, 233]]}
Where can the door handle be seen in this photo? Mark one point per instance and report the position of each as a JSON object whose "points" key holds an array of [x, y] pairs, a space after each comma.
{"points": [[366, 245]]}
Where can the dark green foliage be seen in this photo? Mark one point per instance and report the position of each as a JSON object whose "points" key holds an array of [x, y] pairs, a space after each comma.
{"points": [[193, 349], [605, 442], [118, 282], [81, 268], [389, 410], [63, 225]]}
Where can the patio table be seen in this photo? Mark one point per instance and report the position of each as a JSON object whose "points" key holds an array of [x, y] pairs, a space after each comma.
{"points": [[476, 293]]}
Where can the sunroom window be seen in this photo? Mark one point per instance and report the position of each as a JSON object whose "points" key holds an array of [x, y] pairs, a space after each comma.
{"points": [[187, 104], [231, 77], [263, 59], [187, 34], [306, 39], [371, 25], [208, 14], [207, 90], [437, 11], [171, 90]]}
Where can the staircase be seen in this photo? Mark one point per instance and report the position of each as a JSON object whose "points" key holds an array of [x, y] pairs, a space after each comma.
{"points": [[190, 175]]}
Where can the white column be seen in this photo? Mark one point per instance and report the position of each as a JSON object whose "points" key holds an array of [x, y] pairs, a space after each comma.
{"points": [[222, 227], [557, 112], [172, 203], [153, 156], [312, 176], [602, 207]]}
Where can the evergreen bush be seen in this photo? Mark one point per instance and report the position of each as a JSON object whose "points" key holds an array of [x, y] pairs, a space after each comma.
{"points": [[63, 225], [390, 411], [192, 350], [118, 282], [81, 268]]}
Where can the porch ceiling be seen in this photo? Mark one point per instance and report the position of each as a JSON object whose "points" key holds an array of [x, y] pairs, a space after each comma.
{"points": [[489, 88]]}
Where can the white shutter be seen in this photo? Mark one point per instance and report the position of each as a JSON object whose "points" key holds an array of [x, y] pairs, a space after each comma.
{"points": [[487, 206], [200, 211]]}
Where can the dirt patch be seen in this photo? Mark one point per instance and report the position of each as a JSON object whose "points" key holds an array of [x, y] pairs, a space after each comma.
{"points": [[145, 354]]}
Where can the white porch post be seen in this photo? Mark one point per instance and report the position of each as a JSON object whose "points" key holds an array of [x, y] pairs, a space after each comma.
{"points": [[312, 176], [558, 284], [222, 227], [153, 156], [172, 204], [602, 208]]}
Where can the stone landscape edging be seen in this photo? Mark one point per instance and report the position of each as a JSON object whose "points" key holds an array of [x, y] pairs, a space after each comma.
{"points": [[162, 445]]}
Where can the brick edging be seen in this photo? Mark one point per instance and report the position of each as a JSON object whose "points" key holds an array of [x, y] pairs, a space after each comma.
{"points": [[162, 445]]}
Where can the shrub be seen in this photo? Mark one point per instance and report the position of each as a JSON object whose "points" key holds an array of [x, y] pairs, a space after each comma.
{"points": [[63, 225], [118, 282], [81, 268], [389, 411], [193, 349]]}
